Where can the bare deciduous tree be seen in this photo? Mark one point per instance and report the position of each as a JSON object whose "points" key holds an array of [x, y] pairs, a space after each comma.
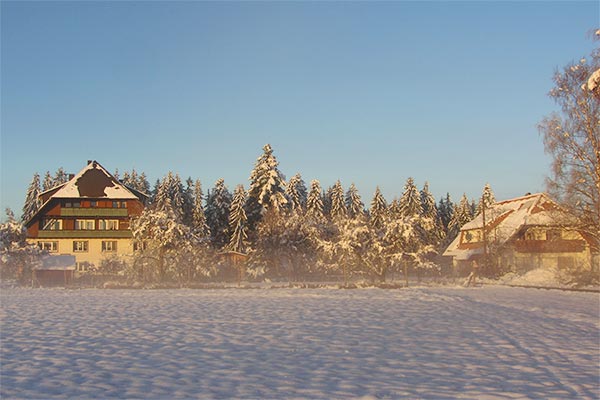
{"points": [[572, 138]]}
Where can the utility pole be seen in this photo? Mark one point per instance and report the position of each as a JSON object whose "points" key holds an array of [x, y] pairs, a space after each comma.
{"points": [[484, 232]]}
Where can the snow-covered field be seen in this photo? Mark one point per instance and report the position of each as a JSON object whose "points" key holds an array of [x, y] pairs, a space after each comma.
{"points": [[487, 342]]}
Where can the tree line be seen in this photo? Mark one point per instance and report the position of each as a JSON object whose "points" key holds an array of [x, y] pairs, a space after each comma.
{"points": [[287, 229]]}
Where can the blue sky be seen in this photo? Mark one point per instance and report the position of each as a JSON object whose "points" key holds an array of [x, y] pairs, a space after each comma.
{"points": [[364, 92]]}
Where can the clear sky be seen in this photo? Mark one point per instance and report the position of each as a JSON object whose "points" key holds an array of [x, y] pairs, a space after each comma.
{"points": [[364, 92]]}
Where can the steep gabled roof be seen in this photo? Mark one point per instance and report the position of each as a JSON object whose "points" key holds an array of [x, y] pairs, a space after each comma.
{"points": [[94, 181]]}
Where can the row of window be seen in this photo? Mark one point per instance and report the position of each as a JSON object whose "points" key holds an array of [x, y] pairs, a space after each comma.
{"points": [[82, 224], [79, 246], [93, 203]]}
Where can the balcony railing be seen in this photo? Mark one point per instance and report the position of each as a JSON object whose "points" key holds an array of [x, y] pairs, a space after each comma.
{"points": [[550, 246], [93, 212], [84, 234]]}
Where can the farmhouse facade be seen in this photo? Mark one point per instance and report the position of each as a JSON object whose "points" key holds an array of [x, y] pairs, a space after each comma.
{"points": [[521, 234], [87, 217]]}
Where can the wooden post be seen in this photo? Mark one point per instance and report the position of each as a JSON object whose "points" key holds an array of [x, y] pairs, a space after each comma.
{"points": [[406, 272], [485, 264]]}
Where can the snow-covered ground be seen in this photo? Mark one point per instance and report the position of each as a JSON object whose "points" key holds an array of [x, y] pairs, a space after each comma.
{"points": [[485, 342]]}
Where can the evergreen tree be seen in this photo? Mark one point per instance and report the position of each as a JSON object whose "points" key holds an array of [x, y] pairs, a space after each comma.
{"points": [[238, 222], [326, 198], [176, 195], [338, 205], [431, 220], [170, 195], [354, 204], [428, 207], [410, 202], [32, 200], [462, 214], [446, 210], [48, 182], [188, 202], [378, 209], [296, 193], [199, 225], [266, 187], [162, 200], [218, 205], [314, 202], [60, 177], [143, 184], [394, 209], [486, 200], [17, 257], [126, 180]]}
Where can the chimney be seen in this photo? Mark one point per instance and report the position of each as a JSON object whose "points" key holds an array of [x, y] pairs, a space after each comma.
{"points": [[89, 162], [71, 176]]}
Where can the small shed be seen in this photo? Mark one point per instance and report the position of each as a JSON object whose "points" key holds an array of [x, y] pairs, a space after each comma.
{"points": [[233, 257], [54, 271]]}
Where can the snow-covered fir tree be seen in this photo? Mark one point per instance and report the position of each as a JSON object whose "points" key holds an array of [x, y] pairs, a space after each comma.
{"points": [[143, 184], [199, 225], [170, 194], [487, 199], [32, 200], [238, 222], [60, 177], [314, 201], [326, 198], [338, 204], [296, 193], [432, 223], [188, 202], [462, 214], [17, 257], [354, 203], [410, 202], [446, 210], [218, 205], [48, 182], [167, 249], [378, 209], [267, 187]]}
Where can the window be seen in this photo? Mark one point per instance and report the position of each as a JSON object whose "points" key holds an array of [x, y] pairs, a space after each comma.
{"points": [[52, 224], [83, 266], [85, 224], [51, 247], [137, 246], [80, 246], [109, 245], [553, 234], [93, 203], [76, 204], [108, 224]]}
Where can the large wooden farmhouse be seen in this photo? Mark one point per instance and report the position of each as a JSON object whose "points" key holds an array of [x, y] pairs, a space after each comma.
{"points": [[521, 234], [87, 217]]}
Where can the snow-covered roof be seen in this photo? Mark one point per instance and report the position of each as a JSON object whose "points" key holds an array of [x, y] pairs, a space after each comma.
{"points": [[94, 181], [506, 218]]}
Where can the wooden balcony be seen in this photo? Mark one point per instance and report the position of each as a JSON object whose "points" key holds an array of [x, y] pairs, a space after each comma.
{"points": [[85, 234], [549, 246], [93, 212]]}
